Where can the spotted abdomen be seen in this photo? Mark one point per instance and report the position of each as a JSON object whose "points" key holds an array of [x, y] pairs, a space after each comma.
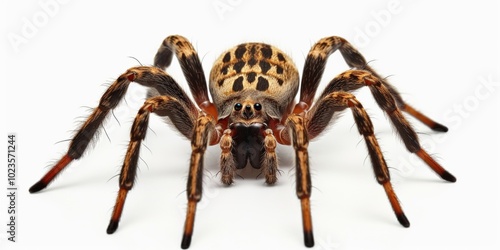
{"points": [[254, 67]]}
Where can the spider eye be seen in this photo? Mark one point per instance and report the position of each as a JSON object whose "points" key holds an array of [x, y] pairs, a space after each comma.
{"points": [[238, 106], [257, 106]]}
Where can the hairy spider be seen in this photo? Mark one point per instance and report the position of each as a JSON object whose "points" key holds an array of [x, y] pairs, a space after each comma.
{"points": [[253, 88]]}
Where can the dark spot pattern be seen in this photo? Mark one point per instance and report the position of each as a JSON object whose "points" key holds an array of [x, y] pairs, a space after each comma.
{"points": [[264, 66], [252, 62], [238, 84], [251, 77], [281, 57], [262, 84], [240, 51], [227, 57], [268, 61], [279, 69], [266, 51], [238, 66]]}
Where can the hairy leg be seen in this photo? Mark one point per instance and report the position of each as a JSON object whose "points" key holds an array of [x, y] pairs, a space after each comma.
{"points": [[191, 67], [204, 127], [164, 105], [338, 101], [300, 142], [146, 76], [315, 66], [354, 79]]}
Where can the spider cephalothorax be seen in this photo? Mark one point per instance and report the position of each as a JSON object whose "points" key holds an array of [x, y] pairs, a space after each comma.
{"points": [[253, 88]]}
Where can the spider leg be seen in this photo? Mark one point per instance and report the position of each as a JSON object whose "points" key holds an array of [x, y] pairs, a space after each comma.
{"points": [[146, 76], [191, 67], [338, 101], [300, 141], [355, 79], [201, 129], [163, 106], [387, 102], [204, 128], [315, 66]]}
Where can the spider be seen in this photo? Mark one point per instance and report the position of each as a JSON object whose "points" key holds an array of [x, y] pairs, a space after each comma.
{"points": [[253, 108]]}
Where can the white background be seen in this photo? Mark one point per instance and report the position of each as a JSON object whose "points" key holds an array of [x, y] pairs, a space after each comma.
{"points": [[443, 57]]}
